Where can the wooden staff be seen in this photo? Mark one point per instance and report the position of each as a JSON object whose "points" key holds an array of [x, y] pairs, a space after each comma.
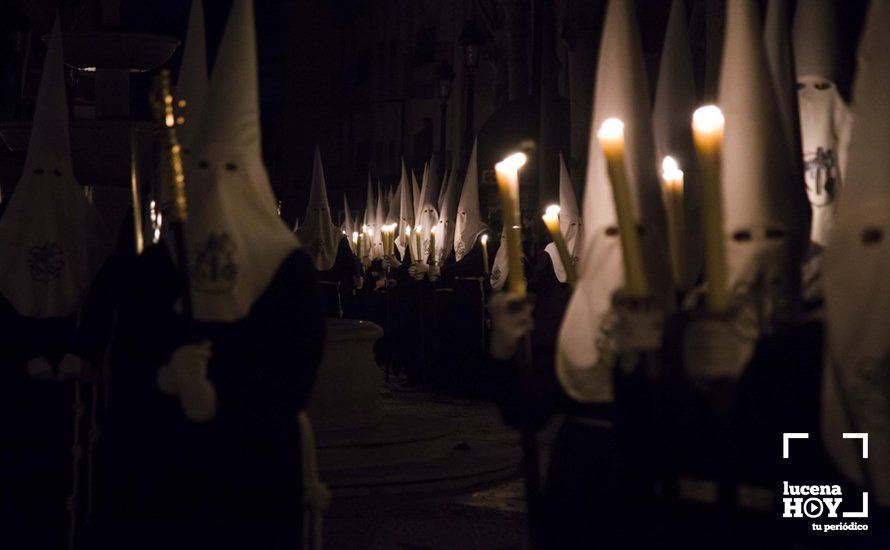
{"points": [[165, 106]]}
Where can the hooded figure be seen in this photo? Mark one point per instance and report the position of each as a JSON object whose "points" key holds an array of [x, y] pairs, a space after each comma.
{"points": [[674, 101], [824, 117], [427, 217], [51, 248], [587, 351], [447, 212], [468, 224], [392, 209], [51, 240], [204, 443], [569, 224], [320, 235], [856, 385], [406, 211], [763, 214]]}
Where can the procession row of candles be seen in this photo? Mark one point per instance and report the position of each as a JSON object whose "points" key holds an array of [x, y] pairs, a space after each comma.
{"points": [[363, 243], [707, 128]]}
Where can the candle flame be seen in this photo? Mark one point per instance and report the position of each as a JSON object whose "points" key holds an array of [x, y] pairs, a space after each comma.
{"points": [[551, 213], [708, 119], [611, 129], [484, 238], [512, 163], [670, 170]]}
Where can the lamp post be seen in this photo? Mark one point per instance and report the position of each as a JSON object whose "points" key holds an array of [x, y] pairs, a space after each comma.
{"points": [[444, 77], [472, 39]]}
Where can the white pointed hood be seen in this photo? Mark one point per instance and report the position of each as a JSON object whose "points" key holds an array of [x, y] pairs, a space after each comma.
{"points": [[569, 223], [675, 100], [406, 210], [379, 222], [392, 210], [857, 261], [447, 215], [586, 353], [468, 224], [51, 240], [763, 216], [192, 84], [824, 116], [319, 235], [234, 240]]}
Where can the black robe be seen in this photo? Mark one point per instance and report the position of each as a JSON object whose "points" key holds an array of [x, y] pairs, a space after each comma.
{"points": [[342, 273], [36, 432], [235, 480]]}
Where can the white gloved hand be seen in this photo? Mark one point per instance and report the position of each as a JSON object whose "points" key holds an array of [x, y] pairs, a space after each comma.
{"points": [[185, 376], [40, 369], [434, 273], [358, 282], [511, 320], [72, 367], [391, 262], [715, 354]]}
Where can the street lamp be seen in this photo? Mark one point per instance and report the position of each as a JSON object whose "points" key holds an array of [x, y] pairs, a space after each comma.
{"points": [[444, 77], [472, 39]]}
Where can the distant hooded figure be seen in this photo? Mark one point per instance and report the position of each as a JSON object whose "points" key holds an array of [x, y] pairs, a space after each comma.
{"points": [[468, 226], [326, 244], [51, 248], [569, 225], [203, 441]]}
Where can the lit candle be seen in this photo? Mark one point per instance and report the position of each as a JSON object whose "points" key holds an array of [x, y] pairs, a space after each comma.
{"points": [[707, 130], [355, 249], [419, 243], [484, 240], [611, 138], [673, 206], [551, 220], [507, 172]]}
